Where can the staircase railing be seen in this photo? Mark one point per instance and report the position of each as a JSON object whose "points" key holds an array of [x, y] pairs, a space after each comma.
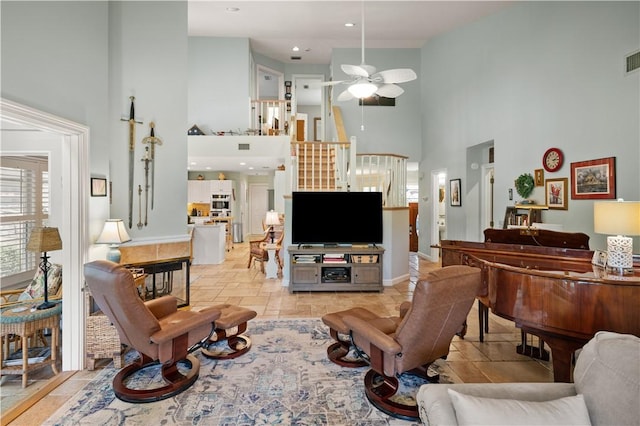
{"points": [[321, 166]]}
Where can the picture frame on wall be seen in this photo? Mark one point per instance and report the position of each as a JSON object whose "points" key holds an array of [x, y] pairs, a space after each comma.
{"points": [[539, 177], [593, 179], [455, 193], [557, 193], [98, 187]]}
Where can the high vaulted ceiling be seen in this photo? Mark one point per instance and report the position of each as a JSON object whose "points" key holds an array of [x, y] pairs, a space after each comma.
{"points": [[316, 27]]}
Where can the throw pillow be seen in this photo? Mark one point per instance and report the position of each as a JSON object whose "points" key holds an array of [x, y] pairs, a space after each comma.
{"points": [[473, 410], [35, 289]]}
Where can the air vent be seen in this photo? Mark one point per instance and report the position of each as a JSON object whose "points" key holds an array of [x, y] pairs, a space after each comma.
{"points": [[296, 58], [244, 147], [633, 62]]}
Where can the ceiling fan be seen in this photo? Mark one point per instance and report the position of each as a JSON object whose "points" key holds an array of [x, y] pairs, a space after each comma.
{"points": [[366, 82]]}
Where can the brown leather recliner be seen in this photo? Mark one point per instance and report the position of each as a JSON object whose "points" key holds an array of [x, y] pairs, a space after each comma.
{"points": [[440, 305], [156, 329]]}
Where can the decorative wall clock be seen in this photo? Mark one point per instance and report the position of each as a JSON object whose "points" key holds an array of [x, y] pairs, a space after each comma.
{"points": [[552, 159]]}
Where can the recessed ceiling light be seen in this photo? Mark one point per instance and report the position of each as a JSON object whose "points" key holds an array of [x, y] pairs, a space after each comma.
{"points": [[233, 9], [193, 163], [208, 168], [243, 164], [349, 24], [295, 48], [250, 168]]}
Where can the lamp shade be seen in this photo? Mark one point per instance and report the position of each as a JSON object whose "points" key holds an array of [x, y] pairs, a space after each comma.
{"points": [[362, 89], [113, 232], [272, 218], [616, 217], [44, 239]]}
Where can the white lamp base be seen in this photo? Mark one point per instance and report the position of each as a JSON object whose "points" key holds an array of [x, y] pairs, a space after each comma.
{"points": [[620, 253]]}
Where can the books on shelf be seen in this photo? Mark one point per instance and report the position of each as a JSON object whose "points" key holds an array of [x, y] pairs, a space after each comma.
{"points": [[306, 258], [334, 258]]}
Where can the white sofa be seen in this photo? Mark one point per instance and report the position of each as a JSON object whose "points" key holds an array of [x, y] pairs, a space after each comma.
{"points": [[606, 385]]}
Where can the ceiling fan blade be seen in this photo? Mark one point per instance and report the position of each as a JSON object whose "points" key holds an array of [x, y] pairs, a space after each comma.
{"points": [[345, 96], [328, 83], [355, 70], [398, 75], [389, 91]]}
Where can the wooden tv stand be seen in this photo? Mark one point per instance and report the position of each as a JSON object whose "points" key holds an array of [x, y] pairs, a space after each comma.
{"points": [[338, 268]]}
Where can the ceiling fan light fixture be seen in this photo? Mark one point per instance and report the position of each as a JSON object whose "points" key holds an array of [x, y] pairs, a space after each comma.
{"points": [[363, 89]]}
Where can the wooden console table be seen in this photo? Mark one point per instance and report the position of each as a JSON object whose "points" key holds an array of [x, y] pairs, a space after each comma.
{"points": [[23, 321]]}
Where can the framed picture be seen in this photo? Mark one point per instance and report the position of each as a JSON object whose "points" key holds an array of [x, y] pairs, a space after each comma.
{"points": [[594, 179], [556, 193], [599, 258], [455, 195], [539, 177], [98, 187]]}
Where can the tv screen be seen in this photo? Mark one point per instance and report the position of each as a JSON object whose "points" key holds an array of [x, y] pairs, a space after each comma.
{"points": [[336, 217]]}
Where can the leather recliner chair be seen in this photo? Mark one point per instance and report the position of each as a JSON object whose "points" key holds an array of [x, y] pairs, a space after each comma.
{"points": [[421, 335], [156, 329]]}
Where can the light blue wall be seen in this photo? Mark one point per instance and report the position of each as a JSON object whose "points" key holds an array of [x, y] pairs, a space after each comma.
{"points": [[55, 58], [148, 59], [218, 84], [533, 76]]}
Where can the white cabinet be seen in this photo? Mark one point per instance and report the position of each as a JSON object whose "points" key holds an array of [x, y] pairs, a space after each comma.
{"points": [[221, 186], [199, 191]]}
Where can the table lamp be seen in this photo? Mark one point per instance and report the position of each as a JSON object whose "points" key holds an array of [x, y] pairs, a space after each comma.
{"points": [[618, 219], [43, 240], [113, 233], [271, 220]]}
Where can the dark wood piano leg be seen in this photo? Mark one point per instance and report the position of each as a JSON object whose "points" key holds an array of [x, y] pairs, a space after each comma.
{"points": [[562, 350], [525, 349], [483, 319]]}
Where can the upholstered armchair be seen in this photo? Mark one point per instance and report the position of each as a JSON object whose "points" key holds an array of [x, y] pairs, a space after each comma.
{"points": [[421, 335], [257, 249], [156, 329]]}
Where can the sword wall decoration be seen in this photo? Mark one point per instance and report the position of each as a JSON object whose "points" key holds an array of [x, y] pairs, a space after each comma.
{"points": [[140, 207], [152, 140], [132, 147], [146, 161]]}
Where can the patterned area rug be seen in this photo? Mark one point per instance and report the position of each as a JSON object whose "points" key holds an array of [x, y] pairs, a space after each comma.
{"points": [[285, 379]]}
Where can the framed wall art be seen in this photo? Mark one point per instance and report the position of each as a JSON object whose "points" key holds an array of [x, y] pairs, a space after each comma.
{"points": [[98, 187], [455, 194], [557, 193], [539, 177], [593, 179]]}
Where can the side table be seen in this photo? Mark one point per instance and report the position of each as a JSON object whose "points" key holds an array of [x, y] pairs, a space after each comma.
{"points": [[271, 269], [24, 321]]}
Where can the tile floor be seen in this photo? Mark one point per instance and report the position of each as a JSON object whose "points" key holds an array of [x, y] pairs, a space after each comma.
{"points": [[494, 360]]}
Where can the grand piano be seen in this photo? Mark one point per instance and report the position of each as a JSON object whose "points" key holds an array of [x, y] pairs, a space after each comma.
{"points": [[552, 291]]}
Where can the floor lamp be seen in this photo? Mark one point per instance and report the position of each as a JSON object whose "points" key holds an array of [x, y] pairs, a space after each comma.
{"points": [[43, 240]]}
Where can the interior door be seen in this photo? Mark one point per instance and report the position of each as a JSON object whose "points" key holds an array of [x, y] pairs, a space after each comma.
{"points": [[258, 206], [413, 234]]}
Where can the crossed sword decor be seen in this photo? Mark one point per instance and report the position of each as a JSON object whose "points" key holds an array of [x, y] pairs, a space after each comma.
{"points": [[148, 157]]}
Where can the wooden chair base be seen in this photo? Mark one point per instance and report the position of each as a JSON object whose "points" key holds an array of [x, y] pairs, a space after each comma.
{"points": [[338, 350], [380, 390], [239, 345], [176, 381]]}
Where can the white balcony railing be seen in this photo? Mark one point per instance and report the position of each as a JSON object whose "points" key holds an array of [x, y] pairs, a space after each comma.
{"points": [[270, 117], [386, 173]]}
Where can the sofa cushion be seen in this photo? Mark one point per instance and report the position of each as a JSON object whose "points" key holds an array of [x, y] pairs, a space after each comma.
{"points": [[35, 289], [472, 410], [607, 373]]}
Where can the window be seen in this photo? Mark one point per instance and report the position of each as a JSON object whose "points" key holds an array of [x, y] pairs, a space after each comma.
{"points": [[24, 204]]}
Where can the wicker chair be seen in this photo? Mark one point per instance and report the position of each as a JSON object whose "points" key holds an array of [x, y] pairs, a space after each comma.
{"points": [[257, 250]]}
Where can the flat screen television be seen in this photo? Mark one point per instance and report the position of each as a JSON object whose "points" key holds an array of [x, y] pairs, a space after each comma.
{"points": [[332, 218]]}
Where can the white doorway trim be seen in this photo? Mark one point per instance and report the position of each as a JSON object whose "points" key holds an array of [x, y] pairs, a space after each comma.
{"points": [[294, 105], [487, 212], [434, 227], [74, 221]]}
